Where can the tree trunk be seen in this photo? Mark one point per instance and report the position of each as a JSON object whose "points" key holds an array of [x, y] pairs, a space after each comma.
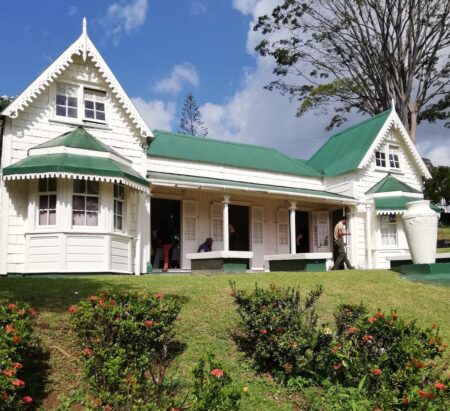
{"points": [[413, 120]]}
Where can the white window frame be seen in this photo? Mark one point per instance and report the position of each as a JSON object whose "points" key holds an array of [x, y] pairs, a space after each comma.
{"points": [[85, 194], [47, 193], [119, 199], [67, 95], [380, 156], [388, 230], [391, 154], [394, 158], [95, 93]]}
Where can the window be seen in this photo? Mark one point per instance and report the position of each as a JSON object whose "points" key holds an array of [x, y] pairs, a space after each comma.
{"points": [[119, 199], [47, 201], [94, 105], [85, 202], [388, 229], [393, 158], [66, 101], [380, 159]]}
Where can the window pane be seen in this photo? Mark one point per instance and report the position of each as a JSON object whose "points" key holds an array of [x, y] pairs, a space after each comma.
{"points": [[91, 219], [118, 223], [93, 187], [61, 100], [52, 217], [72, 112], [72, 102], [78, 218], [100, 115], [119, 207], [89, 104], [52, 202], [100, 106], [43, 202], [89, 113], [43, 217], [78, 202], [42, 185], [79, 186], [92, 203], [52, 184], [60, 111]]}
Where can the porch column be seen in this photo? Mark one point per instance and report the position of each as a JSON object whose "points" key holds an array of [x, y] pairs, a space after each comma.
{"points": [[137, 252], [369, 235], [292, 210], [146, 232], [226, 230], [351, 238]]}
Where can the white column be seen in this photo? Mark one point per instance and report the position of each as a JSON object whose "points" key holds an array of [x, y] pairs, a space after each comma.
{"points": [[351, 238], [292, 210], [137, 253], [369, 235], [226, 230], [146, 232]]}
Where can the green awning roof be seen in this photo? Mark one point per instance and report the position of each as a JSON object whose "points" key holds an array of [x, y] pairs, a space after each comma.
{"points": [[389, 184], [185, 181], [74, 166], [391, 205]]}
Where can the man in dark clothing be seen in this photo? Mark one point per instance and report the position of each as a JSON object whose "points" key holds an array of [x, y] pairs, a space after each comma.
{"points": [[339, 233], [206, 246]]}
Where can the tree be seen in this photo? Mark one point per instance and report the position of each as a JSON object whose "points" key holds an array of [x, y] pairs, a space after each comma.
{"points": [[438, 186], [5, 101], [191, 120], [360, 55]]}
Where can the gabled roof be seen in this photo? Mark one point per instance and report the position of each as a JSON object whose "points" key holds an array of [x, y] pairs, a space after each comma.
{"points": [[389, 184], [344, 151], [397, 205], [205, 150], [84, 47]]}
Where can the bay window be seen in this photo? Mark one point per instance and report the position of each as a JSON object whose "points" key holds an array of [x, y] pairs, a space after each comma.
{"points": [[119, 199], [85, 204], [47, 201], [388, 230]]}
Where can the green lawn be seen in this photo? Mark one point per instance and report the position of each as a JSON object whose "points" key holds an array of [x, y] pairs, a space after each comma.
{"points": [[208, 316], [443, 233]]}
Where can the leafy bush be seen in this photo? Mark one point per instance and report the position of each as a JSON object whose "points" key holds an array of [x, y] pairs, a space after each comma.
{"points": [[18, 346], [279, 332], [393, 358], [126, 343], [213, 389]]}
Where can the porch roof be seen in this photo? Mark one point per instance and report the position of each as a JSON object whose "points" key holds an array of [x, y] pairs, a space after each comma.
{"points": [[389, 184], [396, 205], [64, 165], [184, 181]]}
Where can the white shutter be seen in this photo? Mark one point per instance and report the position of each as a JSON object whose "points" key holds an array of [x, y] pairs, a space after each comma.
{"points": [[216, 228], [283, 231], [189, 241], [257, 238], [321, 231]]}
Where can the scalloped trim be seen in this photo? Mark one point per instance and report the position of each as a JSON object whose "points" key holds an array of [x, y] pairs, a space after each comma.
{"points": [[82, 45], [73, 176]]}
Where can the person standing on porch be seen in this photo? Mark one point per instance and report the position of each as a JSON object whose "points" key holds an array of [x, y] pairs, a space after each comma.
{"points": [[339, 233], [166, 235]]}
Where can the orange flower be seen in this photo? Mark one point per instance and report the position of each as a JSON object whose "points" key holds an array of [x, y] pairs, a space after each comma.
{"points": [[352, 330], [431, 341], [32, 312], [21, 311], [264, 308], [72, 309], [232, 294], [217, 372], [17, 339], [9, 373], [18, 383], [5, 395], [366, 338], [395, 315], [417, 363], [112, 302], [87, 352], [434, 326], [159, 296], [18, 365], [337, 366], [108, 407], [336, 348], [371, 320], [263, 331], [92, 298], [405, 401], [376, 371], [27, 399], [9, 329], [149, 323], [439, 386], [424, 394], [379, 314], [12, 306]]}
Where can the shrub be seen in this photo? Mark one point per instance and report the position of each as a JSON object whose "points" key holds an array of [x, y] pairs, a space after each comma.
{"points": [[18, 346], [392, 357], [126, 343], [213, 389], [279, 332]]}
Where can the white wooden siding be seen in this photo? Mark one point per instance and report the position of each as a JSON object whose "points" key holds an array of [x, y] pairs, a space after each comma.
{"points": [[119, 254]]}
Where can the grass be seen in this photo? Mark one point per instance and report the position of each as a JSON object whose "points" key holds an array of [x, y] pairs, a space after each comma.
{"points": [[443, 250], [444, 233], [208, 316]]}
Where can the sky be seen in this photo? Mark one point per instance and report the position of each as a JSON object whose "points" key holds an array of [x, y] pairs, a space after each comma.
{"points": [[160, 50]]}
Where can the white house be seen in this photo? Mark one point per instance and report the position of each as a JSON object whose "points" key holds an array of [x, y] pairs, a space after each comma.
{"points": [[86, 184]]}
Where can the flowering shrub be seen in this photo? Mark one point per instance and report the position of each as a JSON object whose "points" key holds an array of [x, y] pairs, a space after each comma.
{"points": [[279, 332], [393, 358], [18, 344], [126, 347], [213, 389]]}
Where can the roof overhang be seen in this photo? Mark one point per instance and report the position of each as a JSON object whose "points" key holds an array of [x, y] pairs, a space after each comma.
{"points": [[206, 183], [396, 204]]}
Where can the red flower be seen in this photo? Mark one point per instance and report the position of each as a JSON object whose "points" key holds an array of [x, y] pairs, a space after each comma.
{"points": [[337, 366], [150, 323], [232, 294], [159, 296], [395, 315], [92, 298], [279, 331], [431, 341], [352, 330], [417, 363], [405, 401], [376, 371], [263, 331], [87, 352], [17, 339], [264, 308], [12, 306], [21, 311], [423, 393], [112, 302], [18, 383], [18, 365], [217, 372], [9, 373], [27, 399], [336, 348], [379, 314], [439, 386], [434, 326], [5, 395], [101, 301], [372, 320], [366, 338], [72, 309], [108, 407], [10, 329], [32, 312]]}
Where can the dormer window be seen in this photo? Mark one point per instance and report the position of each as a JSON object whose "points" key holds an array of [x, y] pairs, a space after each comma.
{"points": [[94, 105], [394, 162], [66, 101], [380, 159]]}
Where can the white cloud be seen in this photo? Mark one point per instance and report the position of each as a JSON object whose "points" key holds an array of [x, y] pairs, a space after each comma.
{"points": [[245, 6], [198, 8], [181, 74], [156, 113], [72, 10], [124, 17]]}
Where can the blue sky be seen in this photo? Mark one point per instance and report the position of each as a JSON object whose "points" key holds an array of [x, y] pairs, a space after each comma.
{"points": [[161, 49]]}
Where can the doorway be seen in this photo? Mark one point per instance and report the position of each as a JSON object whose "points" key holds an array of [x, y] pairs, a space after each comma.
{"points": [[238, 217], [302, 232], [165, 221]]}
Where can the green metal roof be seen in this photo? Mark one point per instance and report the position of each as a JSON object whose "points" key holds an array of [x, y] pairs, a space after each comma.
{"points": [[71, 163], [176, 178], [389, 184], [206, 150], [344, 151], [77, 138], [398, 203]]}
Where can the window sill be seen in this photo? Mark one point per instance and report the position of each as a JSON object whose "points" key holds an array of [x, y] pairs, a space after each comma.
{"points": [[76, 122]]}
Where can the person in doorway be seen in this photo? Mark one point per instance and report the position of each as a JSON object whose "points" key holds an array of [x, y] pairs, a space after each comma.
{"points": [[206, 246], [339, 234], [231, 236], [298, 243], [166, 235]]}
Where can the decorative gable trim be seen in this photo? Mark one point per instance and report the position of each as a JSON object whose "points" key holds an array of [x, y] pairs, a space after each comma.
{"points": [[394, 121], [82, 46]]}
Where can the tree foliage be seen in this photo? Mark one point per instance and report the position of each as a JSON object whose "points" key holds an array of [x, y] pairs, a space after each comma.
{"points": [[5, 101], [438, 186], [191, 120], [360, 54]]}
